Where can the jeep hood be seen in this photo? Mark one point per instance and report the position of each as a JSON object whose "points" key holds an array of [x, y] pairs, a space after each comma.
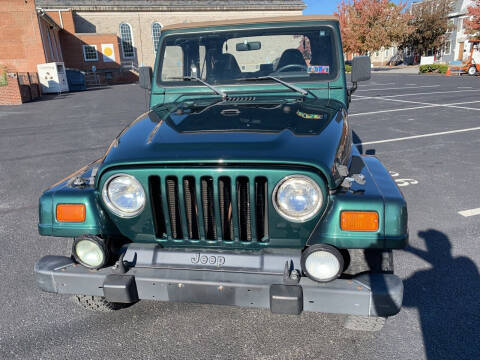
{"points": [[312, 133]]}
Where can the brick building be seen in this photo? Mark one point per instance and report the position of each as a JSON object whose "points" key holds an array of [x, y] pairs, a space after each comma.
{"points": [[112, 37], [26, 39], [138, 23], [30, 36], [83, 51]]}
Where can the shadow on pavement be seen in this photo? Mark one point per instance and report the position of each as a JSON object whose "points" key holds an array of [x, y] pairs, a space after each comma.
{"points": [[60, 96], [103, 87], [447, 297]]}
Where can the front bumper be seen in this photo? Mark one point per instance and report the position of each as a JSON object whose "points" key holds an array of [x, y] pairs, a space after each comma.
{"points": [[366, 294]]}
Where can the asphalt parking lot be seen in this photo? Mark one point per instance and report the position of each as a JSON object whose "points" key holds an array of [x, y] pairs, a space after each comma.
{"points": [[425, 130]]}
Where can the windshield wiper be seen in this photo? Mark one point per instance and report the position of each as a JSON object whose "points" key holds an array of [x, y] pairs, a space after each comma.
{"points": [[217, 91], [284, 83]]}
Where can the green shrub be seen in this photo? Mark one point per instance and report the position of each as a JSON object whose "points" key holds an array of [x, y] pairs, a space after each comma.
{"points": [[424, 68], [442, 69], [348, 68], [434, 68]]}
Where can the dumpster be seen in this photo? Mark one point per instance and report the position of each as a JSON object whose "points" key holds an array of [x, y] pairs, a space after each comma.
{"points": [[76, 80]]}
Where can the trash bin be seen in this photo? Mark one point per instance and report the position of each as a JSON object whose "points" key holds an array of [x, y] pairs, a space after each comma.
{"points": [[76, 80]]}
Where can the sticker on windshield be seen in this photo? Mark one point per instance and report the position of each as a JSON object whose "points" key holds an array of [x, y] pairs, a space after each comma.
{"points": [[309, 116], [319, 69]]}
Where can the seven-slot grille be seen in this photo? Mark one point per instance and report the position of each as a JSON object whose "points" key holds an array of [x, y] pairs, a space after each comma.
{"points": [[210, 208]]}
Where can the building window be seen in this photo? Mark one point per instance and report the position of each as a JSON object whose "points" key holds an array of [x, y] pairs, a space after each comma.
{"points": [[90, 53], [156, 31], [450, 26], [50, 45], [58, 48], [54, 45], [448, 48], [127, 42]]}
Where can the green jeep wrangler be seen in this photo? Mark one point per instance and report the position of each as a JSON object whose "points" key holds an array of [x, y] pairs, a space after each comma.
{"points": [[239, 186]]}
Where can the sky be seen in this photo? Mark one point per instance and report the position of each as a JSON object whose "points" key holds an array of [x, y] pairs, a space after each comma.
{"points": [[322, 6]]}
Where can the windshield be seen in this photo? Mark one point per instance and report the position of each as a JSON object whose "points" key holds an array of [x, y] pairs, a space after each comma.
{"points": [[302, 54]]}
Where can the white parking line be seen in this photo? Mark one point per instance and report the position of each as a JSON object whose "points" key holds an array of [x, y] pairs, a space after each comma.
{"points": [[426, 105], [363, 97], [392, 110], [462, 107], [418, 136], [380, 84], [471, 212], [433, 92], [418, 102], [389, 97], [400, 88]]}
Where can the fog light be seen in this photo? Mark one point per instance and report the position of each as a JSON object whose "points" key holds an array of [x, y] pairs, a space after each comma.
{"points": [[322, 262], [90, 252]]}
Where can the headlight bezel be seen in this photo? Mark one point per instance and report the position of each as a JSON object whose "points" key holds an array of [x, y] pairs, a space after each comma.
{"points": [[303, 218], [112, 207]]}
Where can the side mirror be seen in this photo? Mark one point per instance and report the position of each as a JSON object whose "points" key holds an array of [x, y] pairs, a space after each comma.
{"points": [[361, 68], [361, 71], [145, 77]]}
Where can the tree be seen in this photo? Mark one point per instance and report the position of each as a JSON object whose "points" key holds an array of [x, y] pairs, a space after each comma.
{"points": [[368, 25], [430, 23], [472, 22]]}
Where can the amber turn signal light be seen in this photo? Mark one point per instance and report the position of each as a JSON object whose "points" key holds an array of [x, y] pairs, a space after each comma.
{"points": [[359, 220], [71, 212]]}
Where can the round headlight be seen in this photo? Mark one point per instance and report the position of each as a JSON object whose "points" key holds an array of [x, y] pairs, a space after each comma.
{"points": [[322, 262], [297, 198], [90, 252], [124, 195]]}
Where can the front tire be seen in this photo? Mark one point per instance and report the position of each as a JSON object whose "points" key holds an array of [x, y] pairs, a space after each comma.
{"points": [[97, 303], [472, 70]]}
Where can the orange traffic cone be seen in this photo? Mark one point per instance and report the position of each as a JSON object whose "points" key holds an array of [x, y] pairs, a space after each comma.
{"points": [[448, 73]]}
